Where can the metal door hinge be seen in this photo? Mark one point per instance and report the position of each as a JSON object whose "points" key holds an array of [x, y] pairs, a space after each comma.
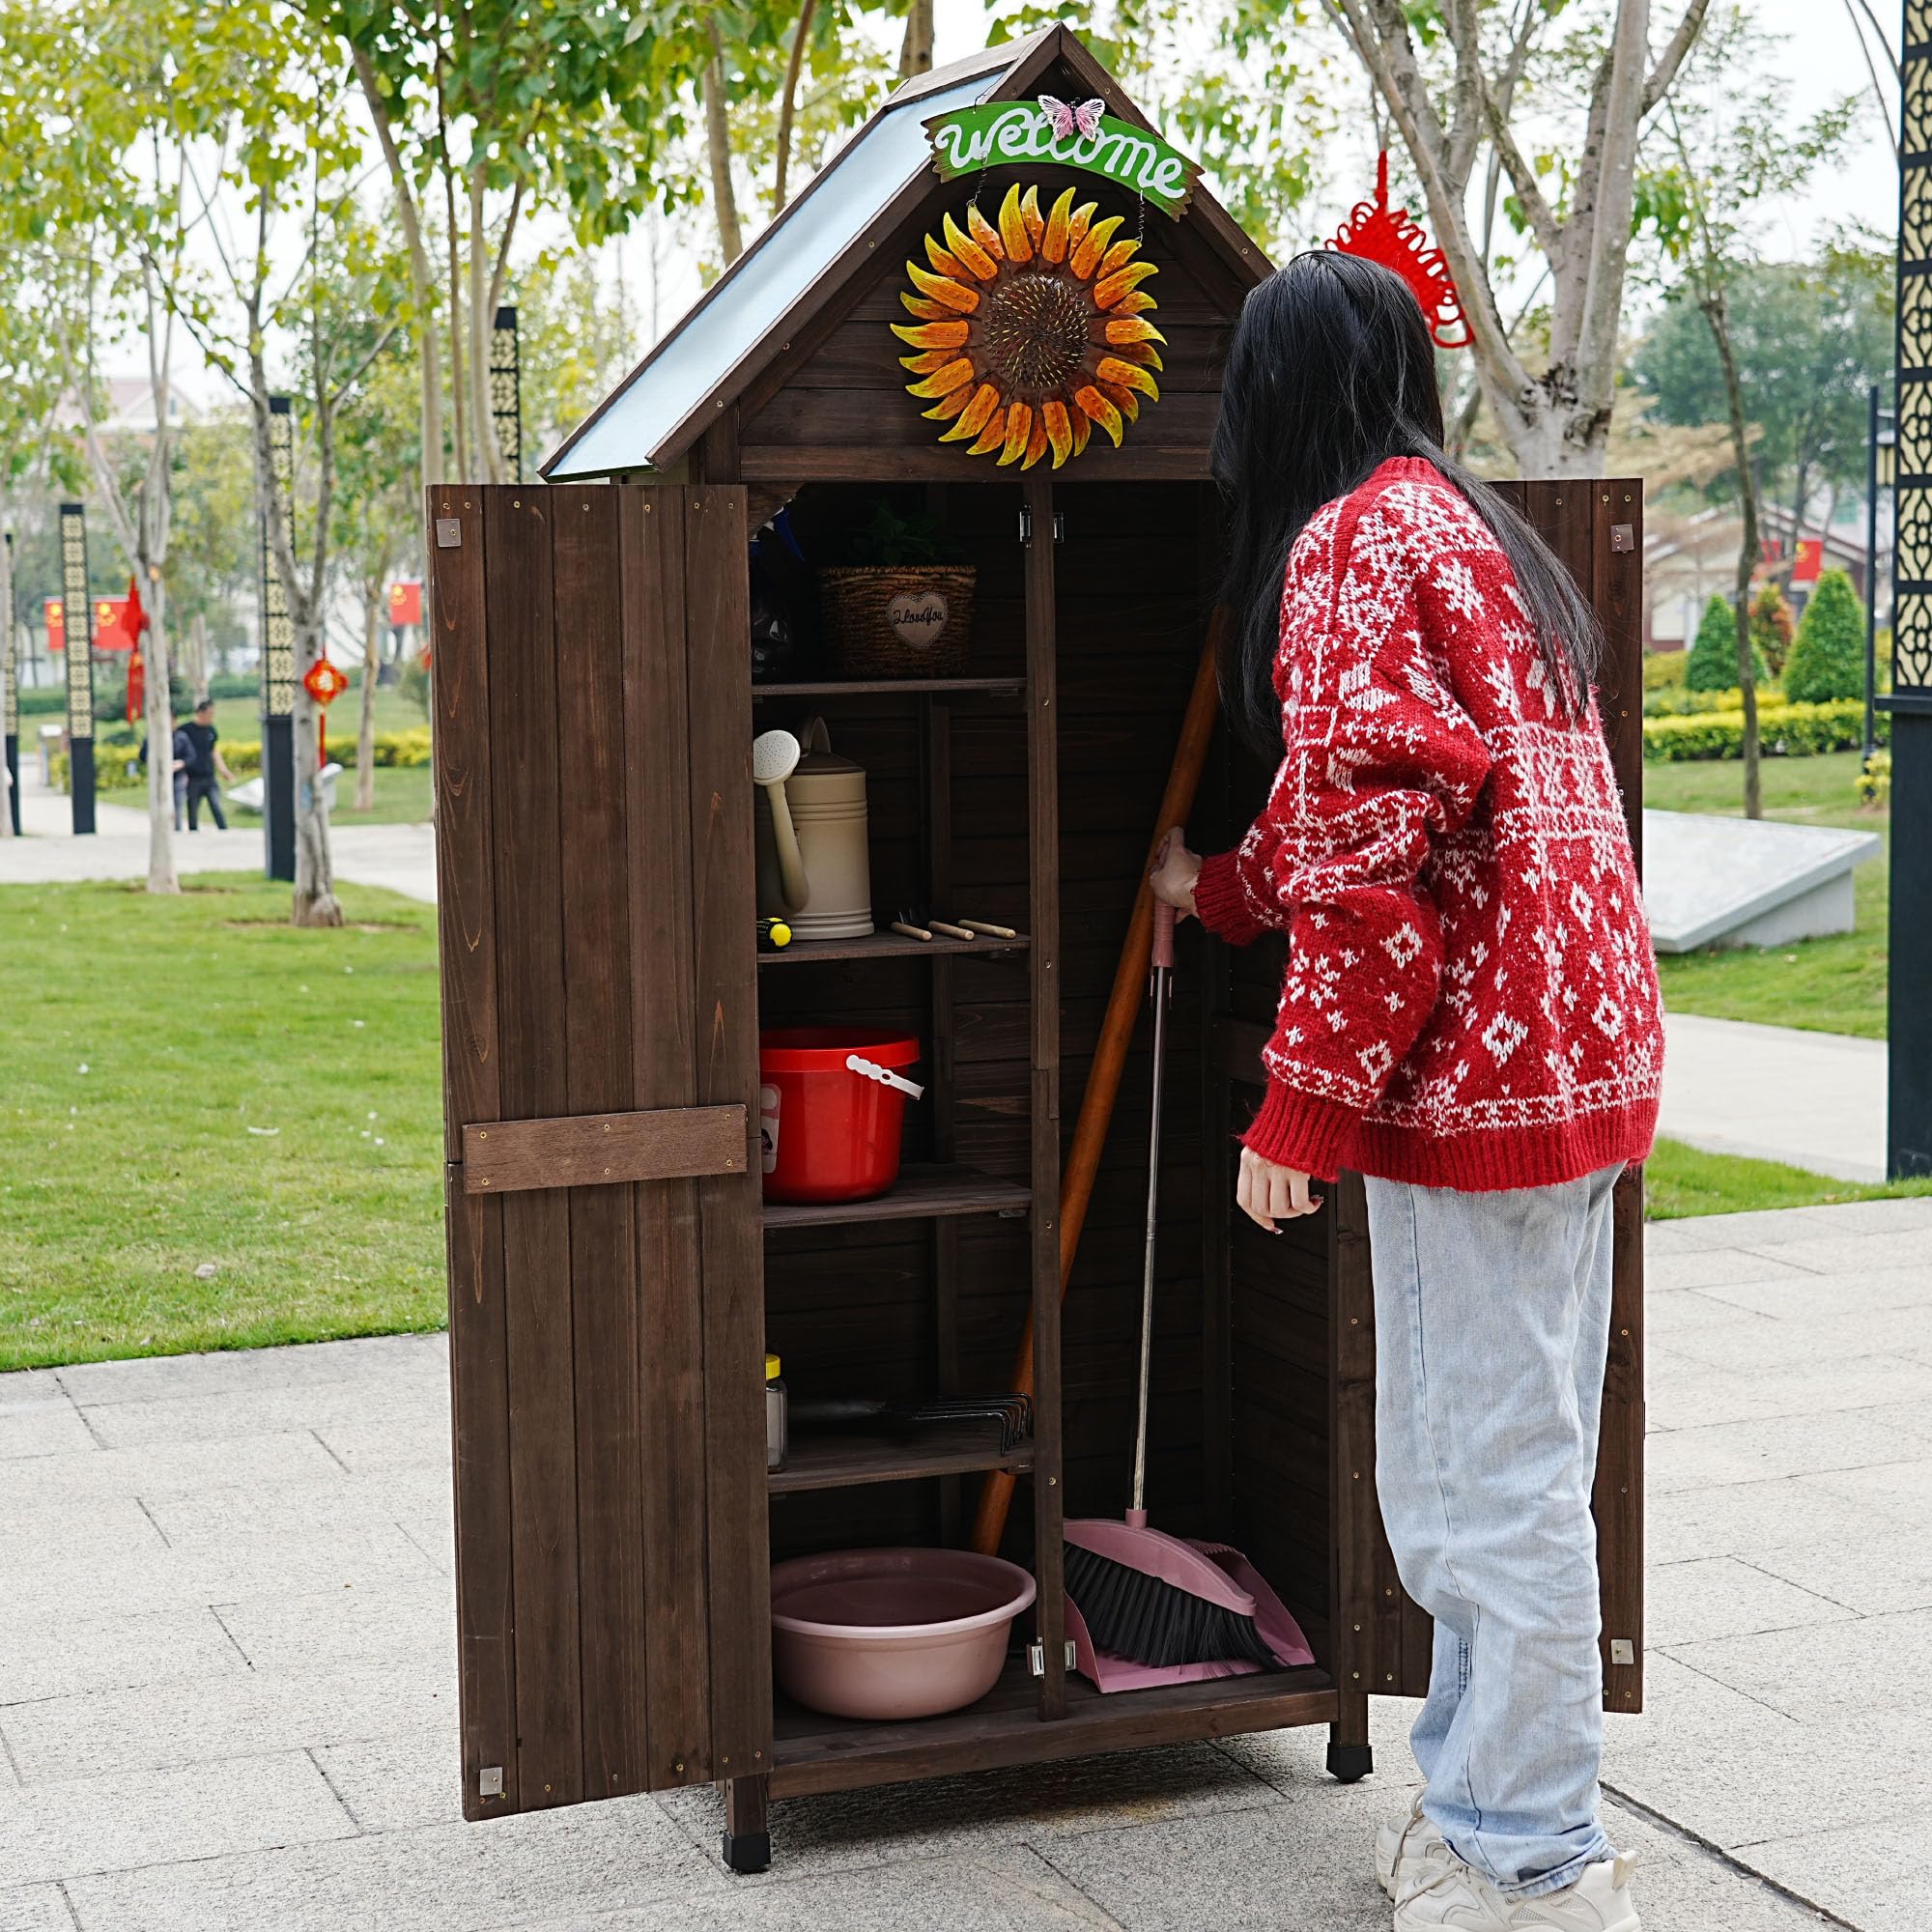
{"points": [[1025, 524], [490, 1781], [1621, 1650], [450, 533], [1623, 537], [1037, 1657]]}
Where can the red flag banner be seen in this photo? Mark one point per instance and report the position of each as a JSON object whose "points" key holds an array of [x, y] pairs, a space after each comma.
{"points": [[405, 602], [53, 613]]}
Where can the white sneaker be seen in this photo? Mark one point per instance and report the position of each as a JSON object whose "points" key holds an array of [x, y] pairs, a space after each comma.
{"points": [[1402, 1845], [1448, 1893]]}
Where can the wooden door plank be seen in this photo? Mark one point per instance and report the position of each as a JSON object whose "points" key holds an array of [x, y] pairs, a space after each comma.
{"points": [[474, 1229], [670, 1363], [601, 1149], [1617, 592], [725, 985], [594, 834], [1042, 710], [532, 1072]]}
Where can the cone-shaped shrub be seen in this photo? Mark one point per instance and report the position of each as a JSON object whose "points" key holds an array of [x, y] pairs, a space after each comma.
{"points": [[1828, 656]]}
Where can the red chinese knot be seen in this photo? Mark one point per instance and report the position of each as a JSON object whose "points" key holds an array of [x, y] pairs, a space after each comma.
{"points": [[1395, 239], [323, 682]]}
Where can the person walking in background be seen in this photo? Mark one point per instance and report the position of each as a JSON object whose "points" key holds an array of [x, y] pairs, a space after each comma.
{"points": [[203, 764], [1470, 1019]]}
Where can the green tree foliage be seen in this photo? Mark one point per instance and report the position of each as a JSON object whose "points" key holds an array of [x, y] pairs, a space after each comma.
{"points": [[1771, 628], [1810, 338], [1713, 655], [1827, 659]]}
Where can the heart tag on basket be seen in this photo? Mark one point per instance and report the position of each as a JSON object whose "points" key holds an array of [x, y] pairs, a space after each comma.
{"points": [[918, 616]]}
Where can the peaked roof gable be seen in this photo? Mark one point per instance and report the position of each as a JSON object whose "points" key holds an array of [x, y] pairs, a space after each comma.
{"points": [[805, 258]]}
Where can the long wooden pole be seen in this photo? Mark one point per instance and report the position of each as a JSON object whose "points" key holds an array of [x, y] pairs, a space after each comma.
{"points": [[1110, 1055]]}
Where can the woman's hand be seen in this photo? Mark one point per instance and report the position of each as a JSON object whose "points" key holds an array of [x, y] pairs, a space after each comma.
{"points": [[1266, 1192], [1173, 873]]}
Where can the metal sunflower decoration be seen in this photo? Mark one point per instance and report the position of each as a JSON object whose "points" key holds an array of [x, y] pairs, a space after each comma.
{"points": [[1028, 333]]}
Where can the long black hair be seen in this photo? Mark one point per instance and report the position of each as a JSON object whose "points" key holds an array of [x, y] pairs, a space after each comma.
{"points": [[1331, 372]]}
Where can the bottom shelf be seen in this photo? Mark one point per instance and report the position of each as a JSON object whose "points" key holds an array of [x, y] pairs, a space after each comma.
{"points": [[811, 1752]]}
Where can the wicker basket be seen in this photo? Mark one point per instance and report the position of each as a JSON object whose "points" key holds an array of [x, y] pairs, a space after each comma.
{"points": [[897, 620]]}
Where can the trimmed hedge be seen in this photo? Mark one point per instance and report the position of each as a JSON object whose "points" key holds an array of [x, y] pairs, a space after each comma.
{"points": [[1786, 730], [114, 764]]}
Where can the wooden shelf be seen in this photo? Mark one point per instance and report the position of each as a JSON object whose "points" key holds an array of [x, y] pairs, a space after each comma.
{"points": [[887, 686], [811, 1752], [845, 1459], [885, 945], [922, 1191]]}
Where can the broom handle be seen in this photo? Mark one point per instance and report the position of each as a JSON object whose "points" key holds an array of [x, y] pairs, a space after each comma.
{"points": [[1109, 1054], [1160, 990]]}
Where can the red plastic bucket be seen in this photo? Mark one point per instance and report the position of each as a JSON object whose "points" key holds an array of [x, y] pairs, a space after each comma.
{"points": [[827, 1133]]}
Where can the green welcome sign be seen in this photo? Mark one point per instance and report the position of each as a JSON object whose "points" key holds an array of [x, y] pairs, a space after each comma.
{"points": [[1136, 159]]}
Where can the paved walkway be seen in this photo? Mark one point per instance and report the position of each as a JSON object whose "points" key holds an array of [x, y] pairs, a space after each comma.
{"points": [[227, 1694], [1814, 1099], [401, 857]]}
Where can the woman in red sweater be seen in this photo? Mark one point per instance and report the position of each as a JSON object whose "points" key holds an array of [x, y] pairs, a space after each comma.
{"points": [[1469, 1018]]}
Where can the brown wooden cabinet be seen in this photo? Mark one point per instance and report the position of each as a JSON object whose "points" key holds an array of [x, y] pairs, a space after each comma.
{"points": [[614, 1277]]}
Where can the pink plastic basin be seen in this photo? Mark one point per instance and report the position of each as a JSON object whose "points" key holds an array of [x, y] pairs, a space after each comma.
{"points": [[889, 1634]]}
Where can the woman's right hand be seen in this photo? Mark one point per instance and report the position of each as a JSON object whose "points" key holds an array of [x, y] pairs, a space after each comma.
{"points": [[1173, 872]]}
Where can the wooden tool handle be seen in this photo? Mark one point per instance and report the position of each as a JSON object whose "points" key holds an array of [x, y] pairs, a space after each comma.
{"points": [[910, 932], [950, 932], [1110, 1055]]}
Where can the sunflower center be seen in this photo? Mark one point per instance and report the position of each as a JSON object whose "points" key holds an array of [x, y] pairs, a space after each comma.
{"points": [[1034, 331]]}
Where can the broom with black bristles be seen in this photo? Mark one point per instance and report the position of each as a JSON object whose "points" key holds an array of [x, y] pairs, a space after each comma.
{"points": [[1143, 1594]]}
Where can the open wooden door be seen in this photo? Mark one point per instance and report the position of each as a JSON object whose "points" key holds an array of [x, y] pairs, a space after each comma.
{"points": [[1383, 1639], [600, 1052]]}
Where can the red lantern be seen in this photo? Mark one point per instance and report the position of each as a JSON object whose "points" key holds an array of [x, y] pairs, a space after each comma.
{"points": [[1394, 238]]}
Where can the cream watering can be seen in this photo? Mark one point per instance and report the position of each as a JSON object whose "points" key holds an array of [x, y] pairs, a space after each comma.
{"points": [[814, 867]]}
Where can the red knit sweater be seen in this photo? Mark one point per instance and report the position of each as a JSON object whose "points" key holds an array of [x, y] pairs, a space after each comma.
{"points": [[1470, 998]]}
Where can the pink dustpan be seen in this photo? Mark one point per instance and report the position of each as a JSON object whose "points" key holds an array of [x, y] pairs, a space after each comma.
{"points": [[1234, 1583]]}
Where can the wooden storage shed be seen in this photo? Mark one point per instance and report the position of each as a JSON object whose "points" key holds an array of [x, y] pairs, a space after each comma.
{"points": [[615, 1278]]}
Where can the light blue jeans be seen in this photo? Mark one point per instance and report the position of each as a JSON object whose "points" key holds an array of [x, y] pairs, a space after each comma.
{"points": [[1493, 1318]]}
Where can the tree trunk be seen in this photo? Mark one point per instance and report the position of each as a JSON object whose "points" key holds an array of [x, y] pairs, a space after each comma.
{"points": [[788, 104], [916, 51], [463, 472], [718, 142], [1716, 312], [372, 666], [157, 713], [8, 633], [490, 465]]}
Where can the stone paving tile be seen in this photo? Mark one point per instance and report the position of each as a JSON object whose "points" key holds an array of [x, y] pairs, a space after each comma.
{"points": [[1770, 1344], [402, 1779], [226, 1371], [448, 1878], [1874, 1573], [1802, 1298], [1666, 1313], [1708, 1268], [33, 1908], [63, 1653], [322, 1630], [246, 1713], [1870, 1877], [146, 1818], [37, 1419], [388, 1402], [1775, 1227], [1823, 1673], [1720, 1596], [1747, 1452], [1686, 1394], [288, 1459], [1040, 1803], [1837, 1253], [1016, 1890]]}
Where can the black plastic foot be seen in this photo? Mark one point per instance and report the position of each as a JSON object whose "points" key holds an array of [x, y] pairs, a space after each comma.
{"points": [[1349, 1764], [747, 1852]]}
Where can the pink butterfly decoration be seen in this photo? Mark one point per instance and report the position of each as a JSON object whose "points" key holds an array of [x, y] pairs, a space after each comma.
{"points": [[1065, 120]]}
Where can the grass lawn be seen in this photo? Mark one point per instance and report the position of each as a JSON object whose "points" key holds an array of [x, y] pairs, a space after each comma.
{"points": [[192, 1083], [241, 718], [1835, 985], [404, 794], [1680, 1181]]}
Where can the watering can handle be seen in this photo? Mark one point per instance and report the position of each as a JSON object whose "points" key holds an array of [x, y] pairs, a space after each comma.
{"points": [[870, 1069], [817, 736]]}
